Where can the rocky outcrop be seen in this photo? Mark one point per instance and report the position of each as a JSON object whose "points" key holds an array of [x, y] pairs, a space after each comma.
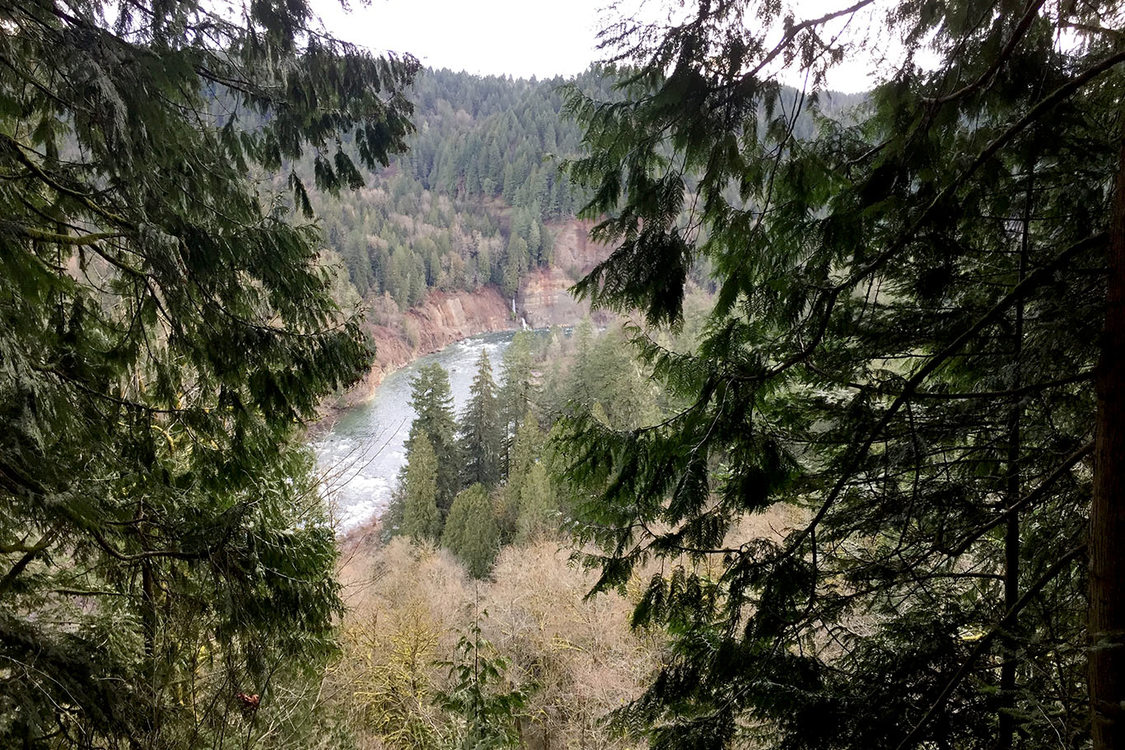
{"points": [[544, 298], [445, 317], [574, 251]]}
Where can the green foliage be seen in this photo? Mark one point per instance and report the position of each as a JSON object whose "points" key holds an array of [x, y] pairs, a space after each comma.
{"points": [[537, 505], [601, 372], [525, 450], [471, 531], [901, 351], [516, 389], [166, 328], [421, 517], [619, 383], [528, 499], [432, 401], [478, 696], [481, 432], [468, 204]]}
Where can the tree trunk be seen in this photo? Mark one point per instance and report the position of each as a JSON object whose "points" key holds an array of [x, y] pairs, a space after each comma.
{"points": [[1106, 639], [1013, 490]]}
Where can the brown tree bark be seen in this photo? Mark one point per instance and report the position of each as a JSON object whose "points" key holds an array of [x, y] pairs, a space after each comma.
{"points": [[1106, 622]]}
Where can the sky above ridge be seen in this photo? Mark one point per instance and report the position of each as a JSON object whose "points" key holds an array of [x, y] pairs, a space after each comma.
{"points": [[520, 38]]}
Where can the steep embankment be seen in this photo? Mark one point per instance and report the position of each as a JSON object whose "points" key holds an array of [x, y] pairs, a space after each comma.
{"points": [[544, 298], [444, 317]]}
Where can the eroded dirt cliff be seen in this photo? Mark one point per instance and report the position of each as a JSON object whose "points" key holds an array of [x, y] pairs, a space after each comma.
{"points": [[444, 317], [544, 298]]}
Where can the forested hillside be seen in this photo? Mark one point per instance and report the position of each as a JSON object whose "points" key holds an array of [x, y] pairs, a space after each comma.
{"points": [[853, 478], [478, 196], [469, 203]]}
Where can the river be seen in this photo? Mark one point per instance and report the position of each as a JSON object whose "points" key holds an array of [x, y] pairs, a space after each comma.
{"points": [[360, 457]]}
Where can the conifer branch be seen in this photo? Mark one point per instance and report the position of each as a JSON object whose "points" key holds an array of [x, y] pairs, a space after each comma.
{"points": [[30, 554], [1026, 501], [990, 73], [1021, 290], [39, 235], [986, 640], [793, 31]]}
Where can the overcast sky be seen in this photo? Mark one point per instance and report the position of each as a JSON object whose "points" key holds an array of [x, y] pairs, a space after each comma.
{"points": [[520, 38]]}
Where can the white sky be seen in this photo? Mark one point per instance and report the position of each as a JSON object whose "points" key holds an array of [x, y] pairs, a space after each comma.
{"points": [[520, 38]]}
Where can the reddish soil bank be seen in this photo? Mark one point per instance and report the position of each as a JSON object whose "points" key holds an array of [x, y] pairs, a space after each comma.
{"points": [[444, 317]]}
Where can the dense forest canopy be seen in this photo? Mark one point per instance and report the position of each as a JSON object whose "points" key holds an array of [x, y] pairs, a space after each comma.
{"points": [[470, 203], [913, 344], [478, 195], [167, 566], [863, 488]]}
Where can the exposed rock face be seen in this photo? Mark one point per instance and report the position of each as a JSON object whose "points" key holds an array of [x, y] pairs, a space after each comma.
{"points": [[544, 298], [574, 251], [445, 317]]}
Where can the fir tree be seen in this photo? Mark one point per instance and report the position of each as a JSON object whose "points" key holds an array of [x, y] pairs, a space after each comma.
{"points": [[481, 433], [166, 329], [432, 401], [526, 447], [516, 389], [421, 519], [515, 266], [902, 349], [536, 506], [471, 532]]}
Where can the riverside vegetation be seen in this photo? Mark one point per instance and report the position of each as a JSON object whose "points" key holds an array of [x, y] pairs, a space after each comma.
{"points": [[864, 491], [475, 546]]}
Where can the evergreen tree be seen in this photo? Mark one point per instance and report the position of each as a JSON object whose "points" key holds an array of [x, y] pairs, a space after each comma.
{"points": [[537, 505], [490, 714], [516, 389], [165, 332], [432, 401], [582, 380], [616, 381], [552, 396], [903, 350], [481, 433], [471, 532], [421, 519], [515, 265], [526, 446]]}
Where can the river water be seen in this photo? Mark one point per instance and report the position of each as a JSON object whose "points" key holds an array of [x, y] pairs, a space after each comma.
{"points": [[360, 458]]}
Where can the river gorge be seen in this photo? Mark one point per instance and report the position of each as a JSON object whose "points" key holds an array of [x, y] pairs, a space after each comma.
{"points": [[359, 458]]}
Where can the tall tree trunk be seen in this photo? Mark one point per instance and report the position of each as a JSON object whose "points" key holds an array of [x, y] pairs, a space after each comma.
{"points": [[1106, 622], [1013, 490]]}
